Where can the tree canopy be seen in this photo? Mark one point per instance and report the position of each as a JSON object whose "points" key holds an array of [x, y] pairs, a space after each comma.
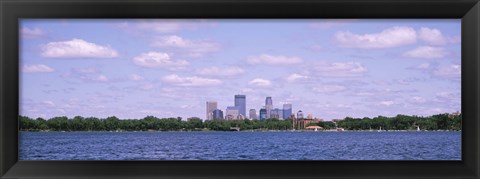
{"points": [[151, 123]]}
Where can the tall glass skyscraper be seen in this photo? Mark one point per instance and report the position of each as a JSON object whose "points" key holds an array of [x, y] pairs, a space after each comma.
{"points": [[241, 104], [287, 111], [276, 113], [211, 106], [268, 106], [217, 114], [263, 114]]}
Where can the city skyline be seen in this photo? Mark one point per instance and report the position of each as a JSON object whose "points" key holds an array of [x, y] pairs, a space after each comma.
{"points": [[330, 69], [234, 112]]}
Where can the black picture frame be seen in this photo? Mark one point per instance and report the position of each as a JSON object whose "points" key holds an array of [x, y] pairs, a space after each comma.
{"points": [[12, 10]]}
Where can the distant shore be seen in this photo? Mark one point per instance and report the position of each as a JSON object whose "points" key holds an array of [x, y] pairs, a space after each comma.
{"points": [[263, 131], [439, 122]]}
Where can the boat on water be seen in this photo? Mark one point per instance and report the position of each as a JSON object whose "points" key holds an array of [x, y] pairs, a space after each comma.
{"points": [[380, 130]]}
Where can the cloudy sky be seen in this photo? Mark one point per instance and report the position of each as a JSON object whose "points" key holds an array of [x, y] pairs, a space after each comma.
{"points": [[168, 68]]}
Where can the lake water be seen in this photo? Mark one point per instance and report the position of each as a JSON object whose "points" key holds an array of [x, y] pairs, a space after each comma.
{"points": [[240, 146]]}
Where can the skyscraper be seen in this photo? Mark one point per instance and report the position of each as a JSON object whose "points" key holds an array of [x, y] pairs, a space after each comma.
{"points": [[217, 114], [232, 112], [287, 111], [268, 106], [252, 114], [263, 114], [211, 105], [241, 104], [276, 113], [300, 114]]}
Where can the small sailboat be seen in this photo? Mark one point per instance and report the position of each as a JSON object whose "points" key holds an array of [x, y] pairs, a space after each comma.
{"points": [[380, 130], [418, 128]]}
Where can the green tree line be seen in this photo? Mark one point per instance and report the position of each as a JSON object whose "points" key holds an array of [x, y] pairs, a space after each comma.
{"points": [[403, 122], [78, 123], [113, 123]]}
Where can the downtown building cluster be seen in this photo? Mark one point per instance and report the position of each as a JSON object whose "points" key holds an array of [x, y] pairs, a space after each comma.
{"points": [[238, 110]]}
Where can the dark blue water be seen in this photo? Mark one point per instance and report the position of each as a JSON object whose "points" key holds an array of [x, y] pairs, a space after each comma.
{"points": [[240, 146]]}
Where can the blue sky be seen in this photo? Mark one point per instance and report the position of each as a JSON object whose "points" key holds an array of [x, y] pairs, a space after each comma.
{"points": [[167, 68]]}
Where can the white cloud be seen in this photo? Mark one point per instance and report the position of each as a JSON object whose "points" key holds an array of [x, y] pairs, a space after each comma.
{"points": [[423, 66], [387, 103], [163, 25], [77, 48], [431, 36], [157, 60], [185, 106], [101, 78], [190, 81], [135, 77], [391, 37], [296, 77], [445, 94], [216, 71], [273, 60], [365, 94], [194, 47], [418, 99], [427, 52], [260, 82], [32, 33], [48, 103], [449, 72], [435, 37], [40, 68], [329, 88], [338, 69]]}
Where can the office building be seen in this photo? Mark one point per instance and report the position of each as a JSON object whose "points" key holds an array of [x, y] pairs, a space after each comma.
{"points": [[252, 114], [241, 104], [268, 106], [276, 113], [240, 117], [211, 106], [300, 114], [287, 111], [231, 113], [217, 114], [263, 114]]}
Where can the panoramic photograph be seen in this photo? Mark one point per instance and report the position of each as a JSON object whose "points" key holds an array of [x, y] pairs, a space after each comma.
{"points": [[240, 89]]}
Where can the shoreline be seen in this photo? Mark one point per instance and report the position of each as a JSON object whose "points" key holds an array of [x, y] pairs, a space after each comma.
{"points": [[266, 131]]}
